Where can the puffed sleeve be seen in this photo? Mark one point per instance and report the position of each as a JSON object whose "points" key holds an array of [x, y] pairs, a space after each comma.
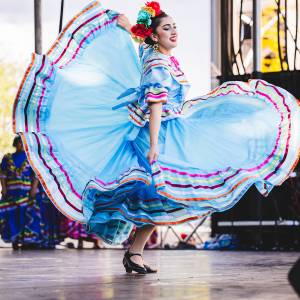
{"points": [[157, 82], [144, 50]]}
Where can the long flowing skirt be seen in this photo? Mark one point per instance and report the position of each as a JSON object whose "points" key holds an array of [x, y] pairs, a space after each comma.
{"points": [[92, 161], [20, 219]]}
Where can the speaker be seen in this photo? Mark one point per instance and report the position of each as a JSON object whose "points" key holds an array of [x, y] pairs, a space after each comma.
{"points": [[260, 223]]}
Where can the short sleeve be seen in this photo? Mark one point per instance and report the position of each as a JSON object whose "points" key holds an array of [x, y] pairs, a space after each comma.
{"points": [[144, 51], [157, 83]]}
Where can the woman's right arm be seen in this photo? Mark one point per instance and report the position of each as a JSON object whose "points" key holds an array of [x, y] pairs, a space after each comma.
{"points": [[3, 176], [4, 187], [123, 21]]}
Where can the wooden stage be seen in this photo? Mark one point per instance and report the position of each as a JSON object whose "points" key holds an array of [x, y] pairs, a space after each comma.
{"points": [[186, 274]]}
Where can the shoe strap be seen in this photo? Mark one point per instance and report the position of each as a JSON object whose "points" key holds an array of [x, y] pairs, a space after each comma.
{"points": [[133, 254]]}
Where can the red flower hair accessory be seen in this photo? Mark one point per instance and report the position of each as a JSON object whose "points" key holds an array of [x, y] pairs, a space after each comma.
{"points": [[142, 29], [140, 32], [154, 5]]}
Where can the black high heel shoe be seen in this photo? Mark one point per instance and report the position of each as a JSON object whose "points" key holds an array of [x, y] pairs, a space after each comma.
{"points": [[130, 266], [149, 269]]}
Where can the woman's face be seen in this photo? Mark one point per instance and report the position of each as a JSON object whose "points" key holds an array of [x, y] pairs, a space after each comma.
{"points": [[166, 34], [19, 146]]}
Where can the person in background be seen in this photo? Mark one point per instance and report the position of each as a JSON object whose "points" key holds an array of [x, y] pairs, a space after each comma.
{"points": [[75, 230], [20, 220]]}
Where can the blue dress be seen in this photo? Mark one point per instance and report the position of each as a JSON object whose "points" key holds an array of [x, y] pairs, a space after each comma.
{"points": [[82, 111], [20, 219]]}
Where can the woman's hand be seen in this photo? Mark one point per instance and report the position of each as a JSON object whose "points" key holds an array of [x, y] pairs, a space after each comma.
{"points": [[4, 194], [153, 154], [124, 22], [4, 188], [32, 193]]}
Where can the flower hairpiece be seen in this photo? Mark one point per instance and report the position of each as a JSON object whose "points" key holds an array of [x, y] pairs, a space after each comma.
{"points": [[142, 29]]}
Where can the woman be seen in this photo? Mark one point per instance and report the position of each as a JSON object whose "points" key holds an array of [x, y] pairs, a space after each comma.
{"points": [[19, 212], [116, 144], [155, 44], [76, 231]]}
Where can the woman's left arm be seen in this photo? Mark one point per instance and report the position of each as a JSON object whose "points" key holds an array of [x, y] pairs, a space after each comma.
{"points": [[158, 82], [154, 125], [34, 186]]}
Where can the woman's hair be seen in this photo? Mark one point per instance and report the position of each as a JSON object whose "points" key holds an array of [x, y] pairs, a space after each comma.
{"points": [[155, 23], [17, 139]]}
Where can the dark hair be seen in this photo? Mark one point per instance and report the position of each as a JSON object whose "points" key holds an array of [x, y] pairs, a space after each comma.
{"points": [[17, 139], [155, 23]]}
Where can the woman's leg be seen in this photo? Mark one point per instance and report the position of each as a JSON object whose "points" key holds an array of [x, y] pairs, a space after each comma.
{"points": [[141, 236], [96, 244], [80, 243]]}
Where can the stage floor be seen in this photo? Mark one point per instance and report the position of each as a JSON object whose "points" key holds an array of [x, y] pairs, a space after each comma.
{"points": [[98, 274]]}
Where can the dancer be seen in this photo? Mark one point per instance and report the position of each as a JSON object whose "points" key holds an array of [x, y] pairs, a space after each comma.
{"points": [[76, 231], [116, 143], [20, 219]]}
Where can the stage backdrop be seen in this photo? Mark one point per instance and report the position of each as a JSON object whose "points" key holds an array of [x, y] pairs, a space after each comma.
{"points": [[192, 17]]}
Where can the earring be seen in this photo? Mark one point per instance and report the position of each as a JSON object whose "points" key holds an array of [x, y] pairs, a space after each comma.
{"points": [[155, 47]]}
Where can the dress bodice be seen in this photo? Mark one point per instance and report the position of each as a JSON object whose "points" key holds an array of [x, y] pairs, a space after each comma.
{"points": [[17, 171], [162, 80]]}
